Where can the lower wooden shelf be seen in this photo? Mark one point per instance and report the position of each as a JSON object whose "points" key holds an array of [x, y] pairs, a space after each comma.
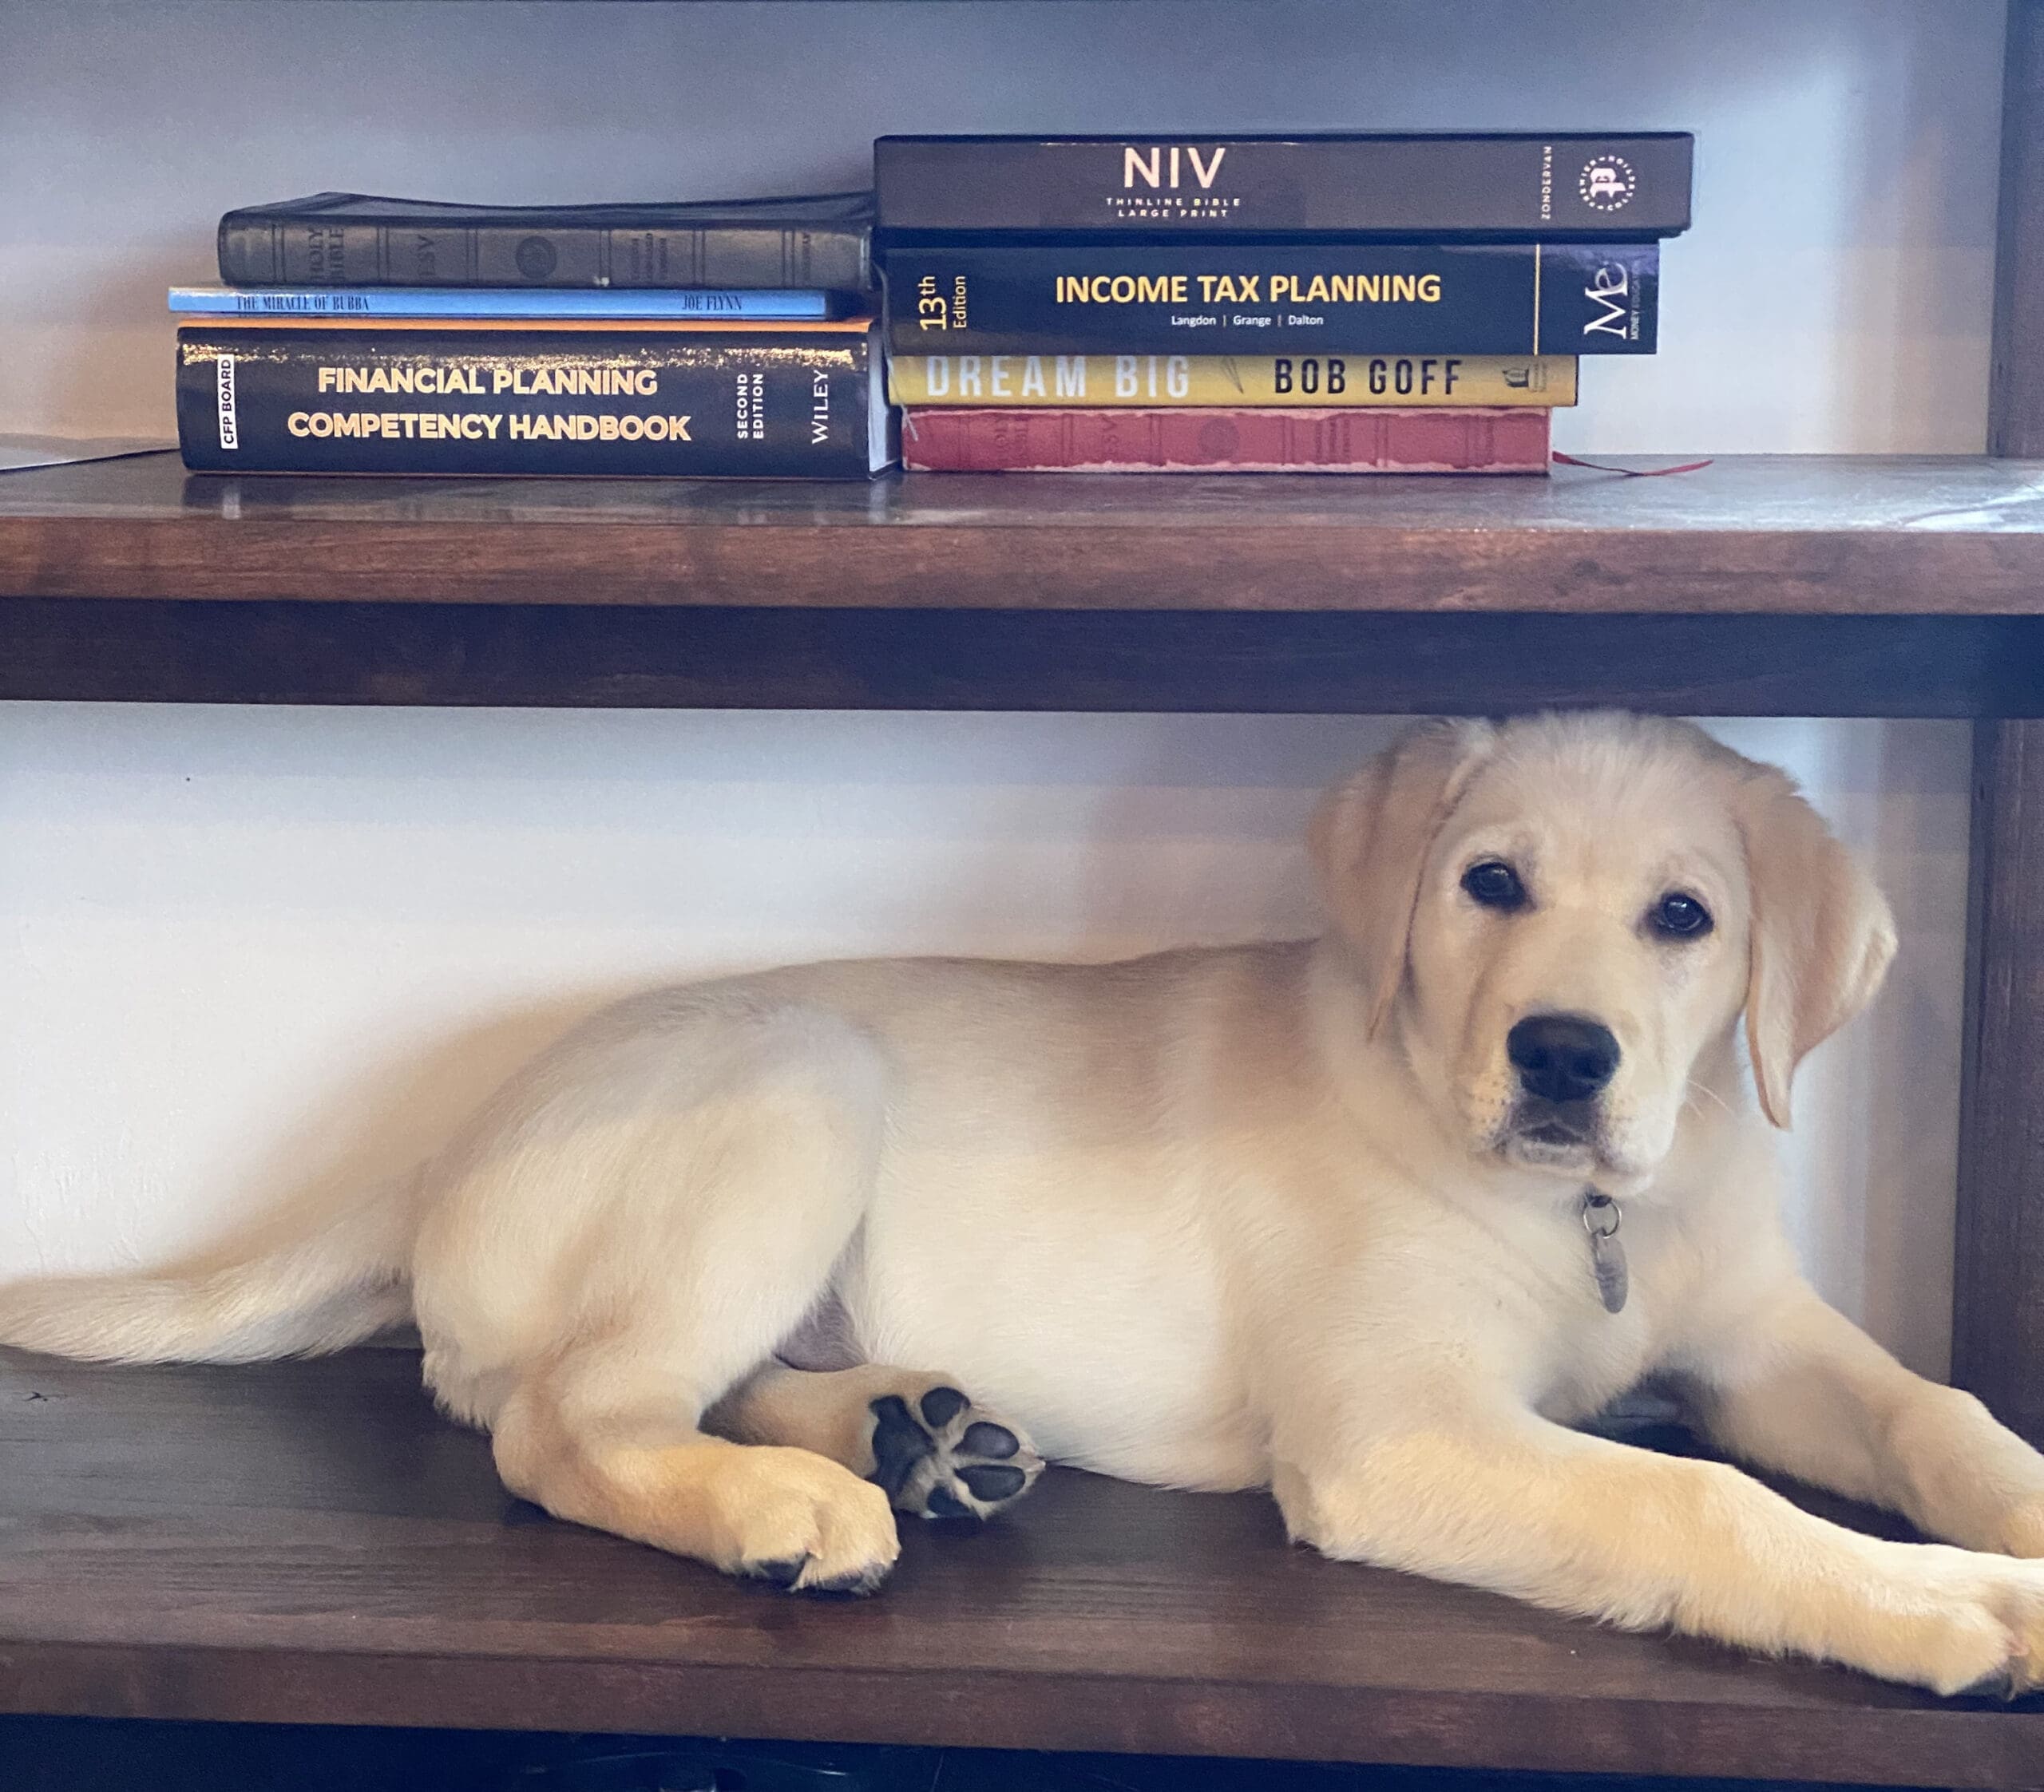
{"points": [[309, 1543]]}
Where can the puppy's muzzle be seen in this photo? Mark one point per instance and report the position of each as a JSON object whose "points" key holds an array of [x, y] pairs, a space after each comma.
{"points": [[1564, 1062]]}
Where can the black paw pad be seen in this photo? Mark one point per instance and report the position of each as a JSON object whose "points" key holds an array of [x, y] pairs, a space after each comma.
{"points": [[984, 1439], [2001, 1684], [855, 1585], [782, 1574], [993, 1481], [941, 1405], [943, 1503], [898, 1442], [942, 1457]]}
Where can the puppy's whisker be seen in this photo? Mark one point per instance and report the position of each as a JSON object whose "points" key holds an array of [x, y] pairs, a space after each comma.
{"points": [[1696, 1088]]}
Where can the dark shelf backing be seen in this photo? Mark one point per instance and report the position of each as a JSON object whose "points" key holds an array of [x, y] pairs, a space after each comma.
{"points": [[613, 656]]}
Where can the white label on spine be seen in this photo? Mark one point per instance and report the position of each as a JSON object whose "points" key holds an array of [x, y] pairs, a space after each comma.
{"points": [[230, 436]]}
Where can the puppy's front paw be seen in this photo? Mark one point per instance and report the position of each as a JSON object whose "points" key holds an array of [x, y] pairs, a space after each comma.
{"points": [[2015, 1595], [803, 1523], [1973, 1624], [942, 1456]]}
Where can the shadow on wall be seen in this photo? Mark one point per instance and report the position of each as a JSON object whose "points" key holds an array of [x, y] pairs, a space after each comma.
{"points": [[1873, 1158], [1119, 875], [366, 1131]]}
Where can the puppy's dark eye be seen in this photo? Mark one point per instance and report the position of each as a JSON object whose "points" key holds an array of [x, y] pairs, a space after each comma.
{"points": [[1495, 884], [1681, 914]]}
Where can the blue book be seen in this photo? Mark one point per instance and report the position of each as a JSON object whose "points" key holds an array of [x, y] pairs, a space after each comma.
{"points": [[501, 302]]}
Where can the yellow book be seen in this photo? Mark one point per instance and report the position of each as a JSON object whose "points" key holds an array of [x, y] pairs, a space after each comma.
{"points": [[1324, 381]]}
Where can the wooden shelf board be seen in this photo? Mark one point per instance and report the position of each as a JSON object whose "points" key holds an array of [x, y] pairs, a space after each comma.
{"points": [[308, 1542], [1764, 586], [1748, 535]]}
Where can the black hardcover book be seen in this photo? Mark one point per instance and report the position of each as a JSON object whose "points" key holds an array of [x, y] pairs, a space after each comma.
{"points": [[351, 240], [1264, 298], [694, 400], [1527, 187]]}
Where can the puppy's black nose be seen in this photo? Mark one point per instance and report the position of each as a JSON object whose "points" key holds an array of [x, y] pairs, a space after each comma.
{"points": [[1562, 1057]]}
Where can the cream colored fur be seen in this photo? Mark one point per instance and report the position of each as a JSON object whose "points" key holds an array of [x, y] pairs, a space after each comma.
{"points": [[1224, 1219]]}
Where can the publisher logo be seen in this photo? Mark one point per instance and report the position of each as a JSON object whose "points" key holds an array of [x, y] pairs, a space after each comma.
{"points": [[1606, 184], [223, 391], [535, 257], [1610, 294]]}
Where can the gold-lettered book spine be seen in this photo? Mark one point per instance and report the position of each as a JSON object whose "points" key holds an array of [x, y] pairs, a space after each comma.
{"points": [[1320, 381]]}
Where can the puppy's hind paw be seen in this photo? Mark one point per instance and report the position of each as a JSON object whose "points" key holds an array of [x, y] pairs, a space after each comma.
{"points": [[942, 1456]]}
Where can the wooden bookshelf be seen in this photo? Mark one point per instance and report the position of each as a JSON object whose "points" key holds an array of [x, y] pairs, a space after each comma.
{"points": [[309, 1543], [367, 1569], [1762, 585]]}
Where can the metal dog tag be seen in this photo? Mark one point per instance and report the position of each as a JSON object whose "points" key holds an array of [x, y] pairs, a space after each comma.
{"points": [[1607, 1256]]}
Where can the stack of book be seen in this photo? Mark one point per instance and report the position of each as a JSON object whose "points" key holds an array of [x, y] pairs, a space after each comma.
{"points": [[1398, 303], [364, 335]]}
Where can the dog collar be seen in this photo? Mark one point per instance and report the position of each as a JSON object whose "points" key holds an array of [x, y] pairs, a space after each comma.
{"points": [[1607, 1256]]}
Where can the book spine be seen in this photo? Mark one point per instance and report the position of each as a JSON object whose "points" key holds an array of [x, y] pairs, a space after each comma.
{"points": [[496, 302], [1332, 382], [782, 403], [1392, 299], [271, 249], [1248, 440], [1601, 187]]}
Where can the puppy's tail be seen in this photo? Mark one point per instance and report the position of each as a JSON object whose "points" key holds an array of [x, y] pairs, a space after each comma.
{"points": [[305, 1292]]}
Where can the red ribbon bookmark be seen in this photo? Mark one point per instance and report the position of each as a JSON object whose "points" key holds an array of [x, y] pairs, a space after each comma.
{"points": [[1629, 472]]}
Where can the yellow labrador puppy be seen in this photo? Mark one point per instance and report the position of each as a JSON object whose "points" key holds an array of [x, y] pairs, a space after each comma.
{"points": [[1370, 1220]]}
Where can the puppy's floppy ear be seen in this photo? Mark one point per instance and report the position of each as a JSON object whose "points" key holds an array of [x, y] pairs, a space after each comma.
{"points": [[1370, 837], [1821, 935]]}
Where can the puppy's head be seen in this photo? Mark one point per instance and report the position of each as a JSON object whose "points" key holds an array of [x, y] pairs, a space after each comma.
{"points": [[1563, 917]]}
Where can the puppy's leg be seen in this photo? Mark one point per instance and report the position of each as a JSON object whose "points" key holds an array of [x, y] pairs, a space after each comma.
{"points": [[917, 1436], [1503, 1500], [591, 1289], [1801, 1388], [608, 1437]]}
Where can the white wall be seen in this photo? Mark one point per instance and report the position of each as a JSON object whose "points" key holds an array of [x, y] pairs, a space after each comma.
{"points": [[245, 949], [1832, 296]]}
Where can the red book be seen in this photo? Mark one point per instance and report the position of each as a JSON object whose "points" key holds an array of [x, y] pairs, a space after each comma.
{"points": [[1483, 439]]}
